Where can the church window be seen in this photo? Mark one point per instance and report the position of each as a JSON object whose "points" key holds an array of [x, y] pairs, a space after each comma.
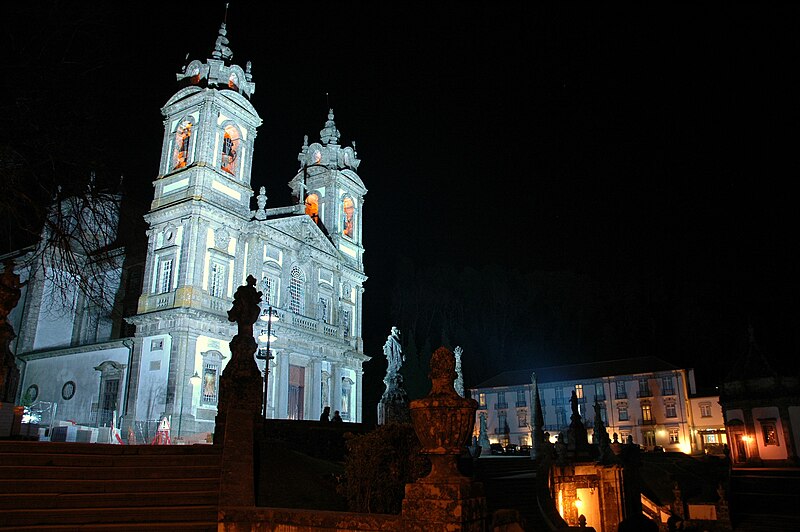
{"points": [[68, 390], [269, 286], [347, 219], [230, 149], [31, 394], [312, 207], [180, 154], [769, 432], [165, 276], [210, 382], [297, 293], [216, 282]]}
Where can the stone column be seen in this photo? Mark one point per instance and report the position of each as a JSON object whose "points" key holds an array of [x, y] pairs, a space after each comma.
{"points": [[315, 380], [336, 388], [282, 390], [356, 408]]}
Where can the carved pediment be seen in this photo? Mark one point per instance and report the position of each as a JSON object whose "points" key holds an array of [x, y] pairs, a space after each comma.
{"points": [[303, 229]]}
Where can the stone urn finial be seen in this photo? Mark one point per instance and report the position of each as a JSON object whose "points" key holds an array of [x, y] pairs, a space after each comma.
{"points": [[443, 420]]}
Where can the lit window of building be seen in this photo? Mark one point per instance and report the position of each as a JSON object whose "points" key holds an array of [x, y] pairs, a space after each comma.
{"points": [[674, 436], [579, 391], [623, 413], [647, 414], [769, 432], [670, 410], [705, 409]]}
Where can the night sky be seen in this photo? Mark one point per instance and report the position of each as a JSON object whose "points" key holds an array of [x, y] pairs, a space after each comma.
{"points": [[653, 147]]}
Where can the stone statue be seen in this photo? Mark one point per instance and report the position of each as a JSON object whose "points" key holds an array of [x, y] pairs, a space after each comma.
{"points": [[573, 402], [393, 352], [394, 404], [245, 309], [459, 382]]}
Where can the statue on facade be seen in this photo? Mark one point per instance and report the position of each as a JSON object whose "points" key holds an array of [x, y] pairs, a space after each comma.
{"points": [[10, 292], [394, 404], [459, 382]]}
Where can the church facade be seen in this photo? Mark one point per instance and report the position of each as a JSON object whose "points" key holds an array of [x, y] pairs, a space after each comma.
{"points": [[203, 241]]}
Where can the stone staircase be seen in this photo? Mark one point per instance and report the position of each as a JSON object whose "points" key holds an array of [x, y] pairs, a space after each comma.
{"points": [[78, 486], [509, 483], [765, 499]]}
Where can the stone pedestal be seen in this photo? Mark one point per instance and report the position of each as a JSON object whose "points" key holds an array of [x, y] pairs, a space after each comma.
{"points": [[445, 499], [447, 506], [393, 406]]}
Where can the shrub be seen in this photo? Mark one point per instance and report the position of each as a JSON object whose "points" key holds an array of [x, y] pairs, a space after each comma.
{"points": [[378, 465]]}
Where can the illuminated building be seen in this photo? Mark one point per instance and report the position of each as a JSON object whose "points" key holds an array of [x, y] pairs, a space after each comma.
{"points": [[645, 398], [203, 240]]}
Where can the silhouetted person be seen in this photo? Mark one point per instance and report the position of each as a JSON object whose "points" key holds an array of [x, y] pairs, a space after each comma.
{"points": [[336, 417], [325, 415]]}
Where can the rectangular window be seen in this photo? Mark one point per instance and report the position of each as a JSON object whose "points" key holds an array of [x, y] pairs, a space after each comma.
{"points": [[705, 409], [644, 388], [502, 423], [579, 391], [674, 436], [210, 382], [603, 415], [623, 413], [157, 345], [522, 418], [666, 386], [621, 393], [501, 400], [165, 276], [647, 414], [599, 391], [216, 280], [671, 411], [559, 400], [521, 399], [770, 432], [562, 418], [482, 400]]}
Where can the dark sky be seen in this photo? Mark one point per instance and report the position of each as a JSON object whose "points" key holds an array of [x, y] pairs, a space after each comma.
{"points": [[617, 144]]}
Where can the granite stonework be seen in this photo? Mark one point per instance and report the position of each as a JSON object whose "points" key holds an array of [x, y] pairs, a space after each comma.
{"points": [[444, 499]]}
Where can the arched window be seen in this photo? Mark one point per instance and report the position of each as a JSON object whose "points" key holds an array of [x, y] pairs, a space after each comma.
{"points": [[297, 293], [233, 81], [230, 149], [348, 216], [180, 155], [312, 207]]}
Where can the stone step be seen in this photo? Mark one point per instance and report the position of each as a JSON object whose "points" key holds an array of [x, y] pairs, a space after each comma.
{"points": [[106, 516], [107, 460], [182, 472], [25, 447], [188, 526], [17, 501], [119, 485]]}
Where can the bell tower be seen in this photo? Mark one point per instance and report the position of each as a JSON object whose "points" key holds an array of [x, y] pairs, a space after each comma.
{"points": [[331, 191], [209, 132]]}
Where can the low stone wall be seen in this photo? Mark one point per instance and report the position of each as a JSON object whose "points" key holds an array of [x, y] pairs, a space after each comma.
{"points": [[314, 438]]}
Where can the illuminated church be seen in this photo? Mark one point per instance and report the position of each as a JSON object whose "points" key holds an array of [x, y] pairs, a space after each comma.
{"points": [[204, 239]]}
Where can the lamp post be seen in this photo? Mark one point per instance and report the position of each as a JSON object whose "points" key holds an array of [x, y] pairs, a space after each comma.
{"points": [[193, 380], [268, 315]]}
